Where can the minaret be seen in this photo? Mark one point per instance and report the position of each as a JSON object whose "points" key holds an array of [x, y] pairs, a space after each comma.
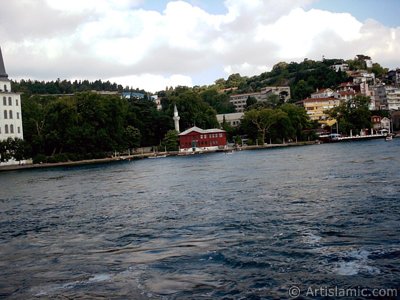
{"points": [[3, 74], [176, 118], [10, 107]]}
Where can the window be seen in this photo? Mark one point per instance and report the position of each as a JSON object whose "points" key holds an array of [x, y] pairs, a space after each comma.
{"points": [[5, 88], [4, 101], [9, 101], [11, 128], [16, 102], [6, 129], [10, 114], [5, 114], [17, 115], [19, 129]]}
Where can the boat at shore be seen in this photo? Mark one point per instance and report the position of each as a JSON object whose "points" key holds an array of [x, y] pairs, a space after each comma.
{"points": [[389, 137], [334, 137]]}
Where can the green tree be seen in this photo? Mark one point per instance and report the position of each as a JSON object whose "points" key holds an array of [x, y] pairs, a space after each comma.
{"points": [[250, 101], [298, 119], [171, 140], [263, 119], [5, 153], [132, 137], [302, 90], [353, 114]]}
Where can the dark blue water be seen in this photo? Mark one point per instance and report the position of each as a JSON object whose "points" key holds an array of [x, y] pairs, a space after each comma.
{"points": [[244, 226]]}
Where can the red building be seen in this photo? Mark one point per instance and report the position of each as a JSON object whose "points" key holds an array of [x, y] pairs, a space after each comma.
{"points": [[197, 139]]}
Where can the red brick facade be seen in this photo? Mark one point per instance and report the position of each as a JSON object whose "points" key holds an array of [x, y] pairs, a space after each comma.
{"points": [[202, 139]]}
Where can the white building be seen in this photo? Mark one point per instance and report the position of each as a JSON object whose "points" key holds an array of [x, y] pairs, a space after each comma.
{"points": [[232, 119], [378, 96], [340, 67], [322, 93], [10, 107], [239, 100], [393, 98]]}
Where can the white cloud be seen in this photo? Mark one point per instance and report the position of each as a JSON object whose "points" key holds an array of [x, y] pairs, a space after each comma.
{"points": [[151, 82], [118, 39]]}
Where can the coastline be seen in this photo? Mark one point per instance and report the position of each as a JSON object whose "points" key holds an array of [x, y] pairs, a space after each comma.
{"points": [[142, 156]]}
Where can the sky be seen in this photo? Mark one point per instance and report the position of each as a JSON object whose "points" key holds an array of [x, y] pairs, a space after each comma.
{"points": [[152, 44]]}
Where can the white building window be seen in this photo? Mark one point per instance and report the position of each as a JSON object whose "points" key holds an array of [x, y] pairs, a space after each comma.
{"points": [[5, 114], [16, 102], [10, 114], [19, 129], [11, 128], [6, 129], [17, 115], [9, 101], [4, 101]]}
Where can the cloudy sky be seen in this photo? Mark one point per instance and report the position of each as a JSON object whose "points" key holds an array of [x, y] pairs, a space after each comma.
{"points": [[152, 44]]}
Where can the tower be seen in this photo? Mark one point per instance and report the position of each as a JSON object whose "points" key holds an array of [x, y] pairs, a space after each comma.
{"points": [[176, 118], [10, 107]]}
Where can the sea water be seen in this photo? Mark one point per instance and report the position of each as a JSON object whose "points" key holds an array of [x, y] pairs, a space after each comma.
{"points": [[251, 225]]}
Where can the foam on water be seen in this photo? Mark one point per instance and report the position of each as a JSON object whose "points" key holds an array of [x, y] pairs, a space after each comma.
{"points": [[353, 263]]}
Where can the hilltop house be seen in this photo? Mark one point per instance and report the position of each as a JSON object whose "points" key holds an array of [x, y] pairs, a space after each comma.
{"points": [[239, 100]]}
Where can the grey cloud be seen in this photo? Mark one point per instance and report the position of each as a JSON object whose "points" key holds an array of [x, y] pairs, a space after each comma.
{"points": [[20, 20]]}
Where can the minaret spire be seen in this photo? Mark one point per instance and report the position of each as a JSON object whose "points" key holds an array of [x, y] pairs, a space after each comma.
{"points": [[176, 118], [3, 74]]}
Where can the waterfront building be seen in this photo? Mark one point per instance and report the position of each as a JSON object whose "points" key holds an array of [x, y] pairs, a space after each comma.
{"points": [[385, 123], [196, 139], [10, 107], [376, 122], [233, 119]]}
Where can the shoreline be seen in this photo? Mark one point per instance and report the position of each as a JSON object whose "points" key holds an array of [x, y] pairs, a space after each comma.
{"points": [[142, 156]]}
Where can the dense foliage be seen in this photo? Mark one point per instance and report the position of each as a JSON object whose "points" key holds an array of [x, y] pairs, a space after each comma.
{"points": [[66, 120], [352, 115], [30, 87], [303, 78], [287, 121], [89, 124]]}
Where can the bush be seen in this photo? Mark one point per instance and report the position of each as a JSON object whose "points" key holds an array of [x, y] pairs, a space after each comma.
{"points": [[40, 158]]}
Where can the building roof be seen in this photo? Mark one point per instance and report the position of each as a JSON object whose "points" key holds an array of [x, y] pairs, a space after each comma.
{"points": [[230, 116], [3, 74], [320, 99], [199, 130]]}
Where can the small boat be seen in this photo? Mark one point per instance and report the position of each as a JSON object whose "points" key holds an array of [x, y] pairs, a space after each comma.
{"points": [[158, 156], [389, 138]]}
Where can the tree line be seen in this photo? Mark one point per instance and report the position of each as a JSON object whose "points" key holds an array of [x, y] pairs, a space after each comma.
{"points": [[64, 120], [33, 87]]}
